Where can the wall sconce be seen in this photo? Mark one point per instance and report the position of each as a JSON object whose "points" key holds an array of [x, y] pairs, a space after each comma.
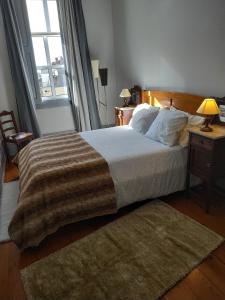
{"points": [[95, 68], [103, 75]]}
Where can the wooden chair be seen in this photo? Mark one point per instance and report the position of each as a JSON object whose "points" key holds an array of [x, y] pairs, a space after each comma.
{"points": [[10, 132]]}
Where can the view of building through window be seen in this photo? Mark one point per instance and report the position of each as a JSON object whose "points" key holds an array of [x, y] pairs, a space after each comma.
{"points": [[44, 26]]}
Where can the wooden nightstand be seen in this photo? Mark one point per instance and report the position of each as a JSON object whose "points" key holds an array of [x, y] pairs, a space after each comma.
{"points": [[123, 115], [206, 159]]}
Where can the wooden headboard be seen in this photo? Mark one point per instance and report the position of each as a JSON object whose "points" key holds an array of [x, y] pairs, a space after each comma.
{"points": [[186, 102]]}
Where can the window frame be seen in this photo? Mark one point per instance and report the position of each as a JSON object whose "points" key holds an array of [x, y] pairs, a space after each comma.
{"points": [[54, 100]]}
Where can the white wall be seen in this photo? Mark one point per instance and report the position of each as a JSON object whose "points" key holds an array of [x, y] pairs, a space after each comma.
{"points": [[55, 119], [100, 34], [171, 44]]}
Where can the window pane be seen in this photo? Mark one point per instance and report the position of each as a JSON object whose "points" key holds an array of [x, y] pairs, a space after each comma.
{"points": [[36, 15], [39, 51], [44, 83], [53, 16], [59, 81], [55, 49]]}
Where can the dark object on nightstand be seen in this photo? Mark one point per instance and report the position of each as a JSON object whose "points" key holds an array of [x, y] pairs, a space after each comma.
{"points": [[135, 95], [220, 119], [206, 159], [20, 139], [123, 115]]}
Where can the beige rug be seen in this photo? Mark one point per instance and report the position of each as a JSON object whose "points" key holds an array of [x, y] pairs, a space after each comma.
{"points": [[137, 257]]}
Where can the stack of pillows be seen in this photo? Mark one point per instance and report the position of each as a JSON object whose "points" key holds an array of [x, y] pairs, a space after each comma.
{"points": [[168, 126]]}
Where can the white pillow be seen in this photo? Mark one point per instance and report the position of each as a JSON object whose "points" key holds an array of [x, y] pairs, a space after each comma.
{"points": [[143, 118], [167, 127], [193, 121], [140, 107]]}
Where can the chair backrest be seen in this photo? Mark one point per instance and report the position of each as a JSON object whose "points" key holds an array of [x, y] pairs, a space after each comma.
{"points": [[7, 123]]}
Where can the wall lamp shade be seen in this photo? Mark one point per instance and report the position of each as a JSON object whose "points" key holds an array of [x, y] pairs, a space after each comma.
{"points": [[209, 108], [95, 68], [125, 93]]}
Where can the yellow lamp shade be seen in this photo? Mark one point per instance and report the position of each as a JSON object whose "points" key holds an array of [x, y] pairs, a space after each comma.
{"points": [[208, 107], [125, 93]]}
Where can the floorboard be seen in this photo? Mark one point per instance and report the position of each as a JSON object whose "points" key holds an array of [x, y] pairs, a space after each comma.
{"points": [[202, 287], [180, 292], [206, 282], [11, 172], [214, 270], [220, 253]]}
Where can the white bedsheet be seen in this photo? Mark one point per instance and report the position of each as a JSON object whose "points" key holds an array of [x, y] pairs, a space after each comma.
{"points": [[140, 168]]}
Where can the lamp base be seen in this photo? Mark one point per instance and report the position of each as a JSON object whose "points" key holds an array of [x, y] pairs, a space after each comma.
{"points": [[125, 102], [206, 127]]}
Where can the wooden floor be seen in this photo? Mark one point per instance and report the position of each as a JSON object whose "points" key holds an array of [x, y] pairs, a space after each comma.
{"points": [[206, 282], [11, 172]]}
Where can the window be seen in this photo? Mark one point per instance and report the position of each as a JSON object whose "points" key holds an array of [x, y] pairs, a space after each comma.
{"points": [[48, 53]]}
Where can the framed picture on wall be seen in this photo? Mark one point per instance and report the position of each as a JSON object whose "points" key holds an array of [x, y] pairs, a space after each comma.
{"points": [[222, 113], [221, 104]]}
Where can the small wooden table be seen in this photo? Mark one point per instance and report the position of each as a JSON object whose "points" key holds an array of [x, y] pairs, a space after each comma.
{"points": [[123, 115], [206, 159]]}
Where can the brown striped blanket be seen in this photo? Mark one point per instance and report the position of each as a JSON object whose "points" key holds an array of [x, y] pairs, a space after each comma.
{"points": [[62, 180]]}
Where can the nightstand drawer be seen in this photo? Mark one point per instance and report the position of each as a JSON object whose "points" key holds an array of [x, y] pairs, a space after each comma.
{"points": [[201, 163], [202, 142]]}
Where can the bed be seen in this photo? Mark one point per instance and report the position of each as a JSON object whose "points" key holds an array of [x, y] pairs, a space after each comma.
{"points": [[141, 168], [72, 177]]}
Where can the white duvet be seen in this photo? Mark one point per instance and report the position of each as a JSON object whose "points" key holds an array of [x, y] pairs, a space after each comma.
{"points": [[140, 168]]}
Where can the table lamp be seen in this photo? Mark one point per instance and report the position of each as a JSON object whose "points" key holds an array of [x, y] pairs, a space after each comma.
{"points": [[209, 108], [125, 94]]}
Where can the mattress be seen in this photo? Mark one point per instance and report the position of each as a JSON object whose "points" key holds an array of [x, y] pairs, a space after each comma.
{"points": [[140, 167]]}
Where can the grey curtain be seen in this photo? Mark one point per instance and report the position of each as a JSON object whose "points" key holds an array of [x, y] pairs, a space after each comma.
{"points": [[21, 58], [78, 65]]}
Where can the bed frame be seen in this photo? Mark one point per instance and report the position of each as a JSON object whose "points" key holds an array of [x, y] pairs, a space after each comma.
{"points": [[183, 101]]}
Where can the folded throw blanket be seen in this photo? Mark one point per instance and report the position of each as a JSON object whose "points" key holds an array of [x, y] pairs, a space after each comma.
{"points": [[62, 180]]}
